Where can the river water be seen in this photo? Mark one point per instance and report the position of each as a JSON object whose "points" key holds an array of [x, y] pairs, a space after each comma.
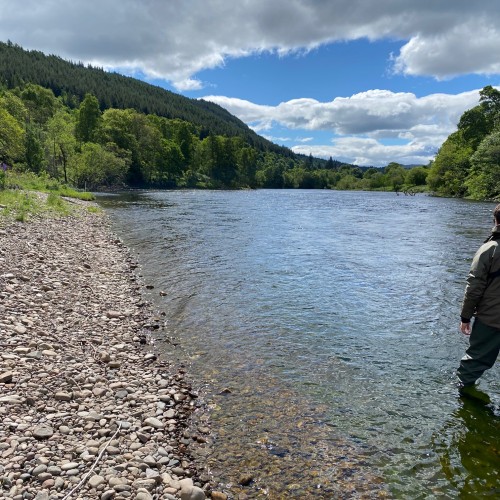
{"points": [[323, 327]]}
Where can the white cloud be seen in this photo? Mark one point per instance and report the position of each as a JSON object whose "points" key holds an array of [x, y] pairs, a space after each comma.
{"points": [[364, 121], [174, 40], [370, 152], [471, 47]]}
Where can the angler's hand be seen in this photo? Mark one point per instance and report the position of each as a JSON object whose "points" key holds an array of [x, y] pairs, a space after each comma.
{"points": [[465, 328]]}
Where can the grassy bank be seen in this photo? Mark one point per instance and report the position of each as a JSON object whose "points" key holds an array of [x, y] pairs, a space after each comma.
{"points": [[24, 195]]}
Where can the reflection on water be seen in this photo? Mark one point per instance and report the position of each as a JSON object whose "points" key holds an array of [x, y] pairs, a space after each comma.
{"points": [[469, 449], [324, 327]]}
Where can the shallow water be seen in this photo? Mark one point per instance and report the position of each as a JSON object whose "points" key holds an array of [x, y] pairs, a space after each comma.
{"points": [[324, 326]]}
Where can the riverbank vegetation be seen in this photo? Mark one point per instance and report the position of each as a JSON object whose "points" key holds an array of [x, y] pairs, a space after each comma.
{"points": [[93, 130], [468, 163], [93, 149], [23, 195]]}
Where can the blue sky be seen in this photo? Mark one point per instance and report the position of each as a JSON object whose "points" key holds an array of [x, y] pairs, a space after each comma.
{"points": [[364, 82]]}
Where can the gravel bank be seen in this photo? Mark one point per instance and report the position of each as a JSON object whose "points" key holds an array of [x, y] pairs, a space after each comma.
{"points": [[87, 409]]}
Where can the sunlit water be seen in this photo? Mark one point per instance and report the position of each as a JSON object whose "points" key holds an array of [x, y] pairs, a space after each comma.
{"points": [[324, 327]]}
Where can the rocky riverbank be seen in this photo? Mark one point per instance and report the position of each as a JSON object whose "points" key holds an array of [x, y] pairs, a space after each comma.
{"points": [[88, 409]]}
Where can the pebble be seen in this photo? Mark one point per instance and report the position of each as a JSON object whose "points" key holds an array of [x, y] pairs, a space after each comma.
{"points": [[154, 422], [43, 432], [69, 466], [218, 495], [6, 377], [96, 481], [81, 384]]}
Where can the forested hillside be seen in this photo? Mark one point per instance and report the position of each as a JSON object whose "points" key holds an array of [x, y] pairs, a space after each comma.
{"points": [[92, 129], [72, 81]]}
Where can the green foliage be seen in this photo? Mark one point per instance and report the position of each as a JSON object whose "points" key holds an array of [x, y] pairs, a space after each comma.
{"points": [[475, 126], [395, 175], [450, 168], [88, 118], [15, 106], [467, 162], [490, 104], [72, 193], [72, 81], [21, 200], [34, 153], [483, 181], [19, 204], [40, 102], [11, 137], [90, 129], [94, 166], [54, 200], [417, 176]]}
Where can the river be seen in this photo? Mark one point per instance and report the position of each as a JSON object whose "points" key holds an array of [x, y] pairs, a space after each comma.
{"points": [[323, 328]]}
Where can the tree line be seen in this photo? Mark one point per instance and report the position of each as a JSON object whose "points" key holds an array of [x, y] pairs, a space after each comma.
{"points": [[91, 149], [73, 80], [96, 129]]}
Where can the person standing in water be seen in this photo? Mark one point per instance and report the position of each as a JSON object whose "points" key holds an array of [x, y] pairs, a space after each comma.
{"points": [[482, 300]]}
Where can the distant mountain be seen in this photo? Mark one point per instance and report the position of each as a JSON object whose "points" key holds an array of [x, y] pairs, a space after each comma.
{"points": [[73, 80]]}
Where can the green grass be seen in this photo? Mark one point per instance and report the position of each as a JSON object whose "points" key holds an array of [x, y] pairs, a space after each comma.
{"points": [[19, 199], [19, 205], [44, 183], [79, 195]]}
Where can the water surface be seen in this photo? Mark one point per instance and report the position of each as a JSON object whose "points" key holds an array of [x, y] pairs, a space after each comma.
{"points": [[324, 326]]}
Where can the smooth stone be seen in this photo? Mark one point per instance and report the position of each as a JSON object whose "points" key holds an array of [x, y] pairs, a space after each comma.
{"points": [[154, 422], [147, 484], [44, 476], [6, 377], [55, 471], [143, 495], [218, 495], [69, 466], [192, 493], [149, 460], [39, 469], [115, 481], [108, 494], [48, 483], [12, 400], [43, 432], [95, 481], [63, 396]]}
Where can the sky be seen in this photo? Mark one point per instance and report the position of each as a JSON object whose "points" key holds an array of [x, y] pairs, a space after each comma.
{"points": [[363, 81]]}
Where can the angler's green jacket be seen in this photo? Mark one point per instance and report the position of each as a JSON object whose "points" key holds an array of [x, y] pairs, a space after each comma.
{"points": [[482, 292]]}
